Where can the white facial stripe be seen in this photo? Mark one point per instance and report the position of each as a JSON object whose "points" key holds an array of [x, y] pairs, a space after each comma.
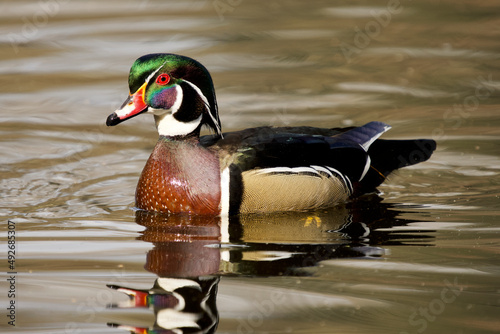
{"points": [[200, 93], [125, 111], [154, 73], [207, 105]]}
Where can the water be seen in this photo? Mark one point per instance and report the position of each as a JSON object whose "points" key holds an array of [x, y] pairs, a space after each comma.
{"points": [[420, 257]]}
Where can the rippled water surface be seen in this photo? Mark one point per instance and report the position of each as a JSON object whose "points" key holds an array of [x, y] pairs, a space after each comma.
{"points": [[422, 256]]}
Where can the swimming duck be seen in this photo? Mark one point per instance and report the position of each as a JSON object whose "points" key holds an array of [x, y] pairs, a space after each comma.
{"points": [[263, 169]]}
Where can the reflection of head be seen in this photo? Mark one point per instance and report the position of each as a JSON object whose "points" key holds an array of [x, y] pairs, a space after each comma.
{"points": [[180, 305]]}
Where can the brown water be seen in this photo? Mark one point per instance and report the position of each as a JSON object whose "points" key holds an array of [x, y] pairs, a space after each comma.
{"points": [[421, 257]]}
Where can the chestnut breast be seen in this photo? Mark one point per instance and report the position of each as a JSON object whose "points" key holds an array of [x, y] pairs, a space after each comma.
{"points": [[180, 177]]}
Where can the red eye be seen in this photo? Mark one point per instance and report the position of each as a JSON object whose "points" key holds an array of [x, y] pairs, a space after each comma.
{"points": [[163, 79]]}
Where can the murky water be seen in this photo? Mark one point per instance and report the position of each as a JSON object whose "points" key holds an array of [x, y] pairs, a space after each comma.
{"points": [[420, 257]]}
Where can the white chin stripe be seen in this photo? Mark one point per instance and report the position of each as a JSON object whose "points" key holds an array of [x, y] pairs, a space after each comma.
{"points": [[155, 71]]}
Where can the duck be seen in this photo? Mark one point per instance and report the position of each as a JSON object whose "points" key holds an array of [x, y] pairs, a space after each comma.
{"points": [[256, 170]]}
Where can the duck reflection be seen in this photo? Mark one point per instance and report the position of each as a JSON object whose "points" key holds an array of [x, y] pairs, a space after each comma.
{"points": [[189, 255], [186, 258]]}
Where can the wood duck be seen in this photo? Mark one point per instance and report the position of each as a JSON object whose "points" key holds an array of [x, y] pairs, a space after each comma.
{"points": [[263, 169]]}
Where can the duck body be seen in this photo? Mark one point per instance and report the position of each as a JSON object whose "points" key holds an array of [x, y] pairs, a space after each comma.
{"points": [[169, 183], [262, 169]]}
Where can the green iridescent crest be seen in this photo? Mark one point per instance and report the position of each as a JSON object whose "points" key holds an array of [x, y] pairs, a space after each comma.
{"points": [[178, 67]]}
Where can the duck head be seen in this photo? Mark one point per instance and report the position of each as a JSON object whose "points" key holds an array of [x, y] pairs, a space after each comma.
{"points": [[177, 90]]}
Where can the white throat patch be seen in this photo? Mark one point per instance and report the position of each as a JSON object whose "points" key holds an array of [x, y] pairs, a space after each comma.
{"points": [[166, 123]]}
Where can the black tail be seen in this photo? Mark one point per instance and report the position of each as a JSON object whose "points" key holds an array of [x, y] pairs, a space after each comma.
{"points": [[389, 155]]}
